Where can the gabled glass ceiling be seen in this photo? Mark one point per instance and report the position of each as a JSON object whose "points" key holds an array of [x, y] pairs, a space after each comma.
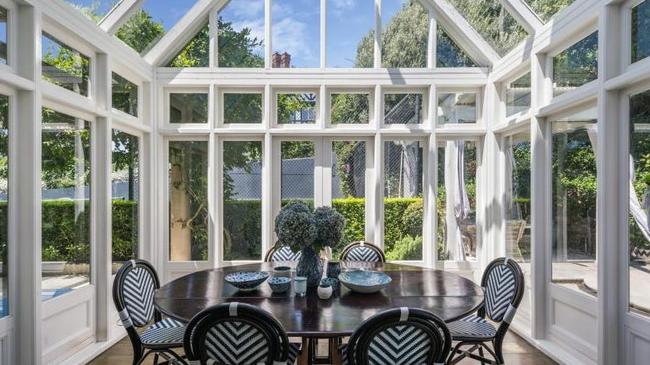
{"points": [[545, 9], [94, 9]]}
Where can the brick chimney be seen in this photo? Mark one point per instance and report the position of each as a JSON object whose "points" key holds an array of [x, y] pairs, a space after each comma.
{"points": [[281, 60]]}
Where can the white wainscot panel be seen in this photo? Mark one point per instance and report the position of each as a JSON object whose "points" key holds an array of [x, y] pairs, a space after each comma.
{"points": [[573, 321], [639, 349], [68, 324]]}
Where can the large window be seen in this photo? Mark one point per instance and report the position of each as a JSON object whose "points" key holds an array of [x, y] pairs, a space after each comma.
{"points": [[403, 108], [125, 196], [241, 34], [188, 200], [350, 33], [576, 65], [518, 95], [403, 199], [4, 15], [188, 108], [456, 203], [349, 187], [640, 34], [4, 204], [65, 66], [66, 195], [297, 172], [574, 203], [242, 200], [639, 231], [125, 95], [457, 108], [295, 33], [404, 35]]}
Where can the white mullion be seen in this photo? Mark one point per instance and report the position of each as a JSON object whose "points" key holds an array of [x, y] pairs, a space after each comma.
{"points": [[319, 199], [378, 215], [323, 34], [327, 173], [268, 46], [215, 224], [430, 187], [369, 194], [432, 42], [268, 196], [213, 30], [377, 53]]}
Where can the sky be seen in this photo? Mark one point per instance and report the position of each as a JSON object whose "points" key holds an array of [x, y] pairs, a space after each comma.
{"points": [[295, 24]]}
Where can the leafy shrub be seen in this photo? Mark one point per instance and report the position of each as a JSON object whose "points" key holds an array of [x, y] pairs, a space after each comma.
{"points": [[408, 248]]}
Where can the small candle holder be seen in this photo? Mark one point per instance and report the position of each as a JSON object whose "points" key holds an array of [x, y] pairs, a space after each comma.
{"points": [[325, 291], [300, 287]]}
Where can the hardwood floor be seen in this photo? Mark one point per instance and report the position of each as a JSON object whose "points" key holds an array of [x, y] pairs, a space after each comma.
{"points": [[516, 352]]}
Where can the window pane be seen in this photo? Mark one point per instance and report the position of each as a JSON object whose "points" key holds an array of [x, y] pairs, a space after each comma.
{"points": [[4, 204], [454, 108], [65, 66], [196, 52], [188, 200], [242, 108], [403, 108], [346, 108], [574, 204], [404, 35], [297, 175], [518, 95], [95, 10], [403, 200], [640, 34], [125, 187], [576, 66], [125, 95], [349, 188], [546, 9], [141, 31], [188, 108], [639, 233], [3, 35], [449, 53], [242, 200], [241, 34], [350, 33], [493, 22], [66, 203], [296, 108], [457, 230], [295, 33]]}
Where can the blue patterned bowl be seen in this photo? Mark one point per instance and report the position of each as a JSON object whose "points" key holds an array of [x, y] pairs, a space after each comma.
{"points": [[246, 280], [365, 282], [279, 284]]}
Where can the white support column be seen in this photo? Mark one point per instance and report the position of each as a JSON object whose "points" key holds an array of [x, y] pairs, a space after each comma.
{"points": [[213, 31], [430, 223], [524, 15], [268, 204], [268, 45], [432, 42], [27, 312], [377, 53], [101, 199], [612, 177]]}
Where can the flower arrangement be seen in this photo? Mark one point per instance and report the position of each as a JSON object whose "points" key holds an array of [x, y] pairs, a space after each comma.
{"points": [[329, 224], [295, 226]]}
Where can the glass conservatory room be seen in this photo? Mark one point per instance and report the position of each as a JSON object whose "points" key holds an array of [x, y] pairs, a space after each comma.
{"points": [[399, 182]]}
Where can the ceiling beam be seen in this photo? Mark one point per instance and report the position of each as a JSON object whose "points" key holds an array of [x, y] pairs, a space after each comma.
{"points": [[524, 15], [119, 14]]}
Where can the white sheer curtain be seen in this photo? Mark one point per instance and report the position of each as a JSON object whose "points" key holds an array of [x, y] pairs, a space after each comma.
{"points": [[457, 208]]}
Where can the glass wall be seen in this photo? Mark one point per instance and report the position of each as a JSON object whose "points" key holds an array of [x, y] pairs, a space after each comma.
{"points": [[574, 203], [457, 108], [449, 52], [295, 33], [242, 108], [4, 16], [297, 172], [350, 108], [242, 200], [400, 18], [187, 108], [403, 108], [518, 95], [188, 200], [125, 95], [296, 108], [65, 66], [456, 201], [240, 27], [125, 196], [546, 9], [350, 33], [349, 187], [403, 199], [4, 204], [640, 34], [639, 231], [66, 194], [576, 65]]}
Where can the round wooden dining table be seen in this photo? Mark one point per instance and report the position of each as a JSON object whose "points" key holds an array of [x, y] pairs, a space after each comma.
{"points": [[446, 294]]}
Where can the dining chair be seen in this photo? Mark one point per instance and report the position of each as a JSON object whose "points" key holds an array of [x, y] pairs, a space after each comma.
{"points": [[280, 252], [399, 336], [362, 251], [133, 292], [237, 334], [503, 286]]}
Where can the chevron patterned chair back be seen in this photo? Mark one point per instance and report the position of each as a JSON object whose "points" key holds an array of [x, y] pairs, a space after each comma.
{"points": [[399, 336], [362, 252], [280, 253], [237, 334], [133, 294], [503, 287]]}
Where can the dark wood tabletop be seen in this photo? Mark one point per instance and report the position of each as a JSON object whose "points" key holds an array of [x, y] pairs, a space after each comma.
{"points": [[446, 294]]}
